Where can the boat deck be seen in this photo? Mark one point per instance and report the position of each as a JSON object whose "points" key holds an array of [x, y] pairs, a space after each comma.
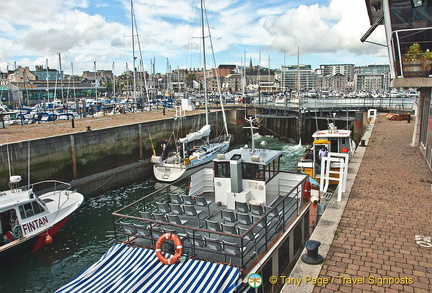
{"points": [[208, 229]]}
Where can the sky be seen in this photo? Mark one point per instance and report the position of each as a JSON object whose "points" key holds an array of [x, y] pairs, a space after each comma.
{"points": [[84, 35]]}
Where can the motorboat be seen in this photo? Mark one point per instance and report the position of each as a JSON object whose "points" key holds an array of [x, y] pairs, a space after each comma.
{"points": [[31, 215], [331, 140], [224, 227]]}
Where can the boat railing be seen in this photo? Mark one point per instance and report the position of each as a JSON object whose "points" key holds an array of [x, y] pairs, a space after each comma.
{"points": [[45, 186], [243, 249]]}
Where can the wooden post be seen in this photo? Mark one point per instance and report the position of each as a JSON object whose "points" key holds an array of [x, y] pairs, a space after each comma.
{"points": [[140, 142], [73, 155]]}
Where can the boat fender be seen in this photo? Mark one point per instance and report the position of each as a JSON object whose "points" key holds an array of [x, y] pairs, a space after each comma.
{"points": [[178, 248], [48, 239], [187, 161], [8, 237], [306, 191]]}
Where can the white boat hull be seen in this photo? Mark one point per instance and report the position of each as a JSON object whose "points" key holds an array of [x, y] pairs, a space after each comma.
{"points": [[167, 172]]}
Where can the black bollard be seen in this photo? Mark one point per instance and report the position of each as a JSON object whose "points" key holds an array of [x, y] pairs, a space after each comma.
{"points": [[88, 128], [163, 110], [409, 118], [312, 257], [73, 122]]}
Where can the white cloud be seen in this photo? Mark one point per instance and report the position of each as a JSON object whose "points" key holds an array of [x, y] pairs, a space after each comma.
{"points": [[83, 32], [322, 29]]}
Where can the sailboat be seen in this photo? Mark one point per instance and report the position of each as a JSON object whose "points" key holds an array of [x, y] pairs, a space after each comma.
{"points": [[195, 149]]}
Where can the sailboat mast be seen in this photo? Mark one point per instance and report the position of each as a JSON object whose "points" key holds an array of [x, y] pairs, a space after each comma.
{"points": [[61, 79], [73, 82], [114, 81], [96, 93], [204, 64], [298, 73], [47, 79], [218, 84], [133, 52]]}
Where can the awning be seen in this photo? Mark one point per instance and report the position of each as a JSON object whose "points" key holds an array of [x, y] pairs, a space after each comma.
{"points": [[203, 132], [126, 269]]}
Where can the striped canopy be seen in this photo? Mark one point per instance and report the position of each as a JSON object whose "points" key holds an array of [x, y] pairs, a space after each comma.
{"points": [[126, 269]]}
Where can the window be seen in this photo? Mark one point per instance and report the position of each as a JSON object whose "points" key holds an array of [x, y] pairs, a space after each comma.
{"points": [[30, 209], [222, 169], [253, 171]]}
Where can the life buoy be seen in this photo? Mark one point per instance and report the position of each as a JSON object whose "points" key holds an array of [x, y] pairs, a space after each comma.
{"points": [[178, 248], [16, 231], [306, 191]]}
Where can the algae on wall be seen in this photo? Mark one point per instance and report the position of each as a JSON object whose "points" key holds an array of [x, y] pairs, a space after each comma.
{"points": [[75, 156]]}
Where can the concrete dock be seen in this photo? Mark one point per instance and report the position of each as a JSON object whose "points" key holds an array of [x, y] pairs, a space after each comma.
{"points": [[379, 237]]}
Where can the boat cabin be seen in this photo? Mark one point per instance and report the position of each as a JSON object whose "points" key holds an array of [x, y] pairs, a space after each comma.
{"points": [[244, 212], [329, 140]]}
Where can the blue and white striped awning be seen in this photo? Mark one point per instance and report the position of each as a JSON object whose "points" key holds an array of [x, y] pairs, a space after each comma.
{"points": [[126, 269]]}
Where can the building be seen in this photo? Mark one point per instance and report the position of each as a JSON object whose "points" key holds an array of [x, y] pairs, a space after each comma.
{"points": [[295, 77], [332, 69], [407, 22]]}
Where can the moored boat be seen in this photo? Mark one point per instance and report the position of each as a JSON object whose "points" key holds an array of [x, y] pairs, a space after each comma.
{"points": [[196, 148], [31, 215], [235, 221], [331, 140]]}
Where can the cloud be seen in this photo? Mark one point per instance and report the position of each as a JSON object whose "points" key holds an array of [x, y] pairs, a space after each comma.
{"points": [[84, 31], [337, 27]]}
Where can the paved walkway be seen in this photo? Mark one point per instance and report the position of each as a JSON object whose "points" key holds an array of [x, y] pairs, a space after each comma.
{"points": [[374, 247]]}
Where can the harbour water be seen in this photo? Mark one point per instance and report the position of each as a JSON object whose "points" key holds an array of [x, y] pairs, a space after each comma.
{"points": [[89, 234]]}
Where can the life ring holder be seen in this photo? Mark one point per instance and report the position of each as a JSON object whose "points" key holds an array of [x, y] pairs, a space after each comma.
{"points": [[178, 248]]}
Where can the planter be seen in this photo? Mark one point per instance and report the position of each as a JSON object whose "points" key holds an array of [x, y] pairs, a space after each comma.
{"points": [[416, 68]]}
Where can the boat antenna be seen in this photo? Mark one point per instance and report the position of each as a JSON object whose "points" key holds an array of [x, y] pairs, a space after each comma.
{"points": [[28, 164], [250, 120]]}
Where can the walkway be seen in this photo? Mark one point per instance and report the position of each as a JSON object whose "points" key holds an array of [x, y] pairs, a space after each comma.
{"points": [[389, 207]]}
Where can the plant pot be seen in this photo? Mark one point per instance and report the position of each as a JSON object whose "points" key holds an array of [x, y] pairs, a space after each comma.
{"points": [[416, 68]]}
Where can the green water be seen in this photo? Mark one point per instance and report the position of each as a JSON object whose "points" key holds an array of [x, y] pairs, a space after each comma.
{"points": [[89, 234]]}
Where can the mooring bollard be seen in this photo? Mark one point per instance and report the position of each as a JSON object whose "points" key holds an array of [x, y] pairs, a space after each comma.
{"points": [[312, 257]]}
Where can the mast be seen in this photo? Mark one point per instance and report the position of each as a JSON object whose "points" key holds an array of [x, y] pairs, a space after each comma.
{"points": [[244, 75], [133, 53], [298, 73], [283, 75], [96, 93], [114, 85], [204, 65], [218, 86], [259, 77], [47, 79], [268, 78], [61, 79], [73, 85]]}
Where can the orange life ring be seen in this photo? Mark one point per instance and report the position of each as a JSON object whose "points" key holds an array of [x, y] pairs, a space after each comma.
{"points": [[178, 251], [306, 190]]}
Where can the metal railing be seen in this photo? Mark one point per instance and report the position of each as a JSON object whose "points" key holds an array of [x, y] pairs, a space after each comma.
{"points": [[252, 241]]}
